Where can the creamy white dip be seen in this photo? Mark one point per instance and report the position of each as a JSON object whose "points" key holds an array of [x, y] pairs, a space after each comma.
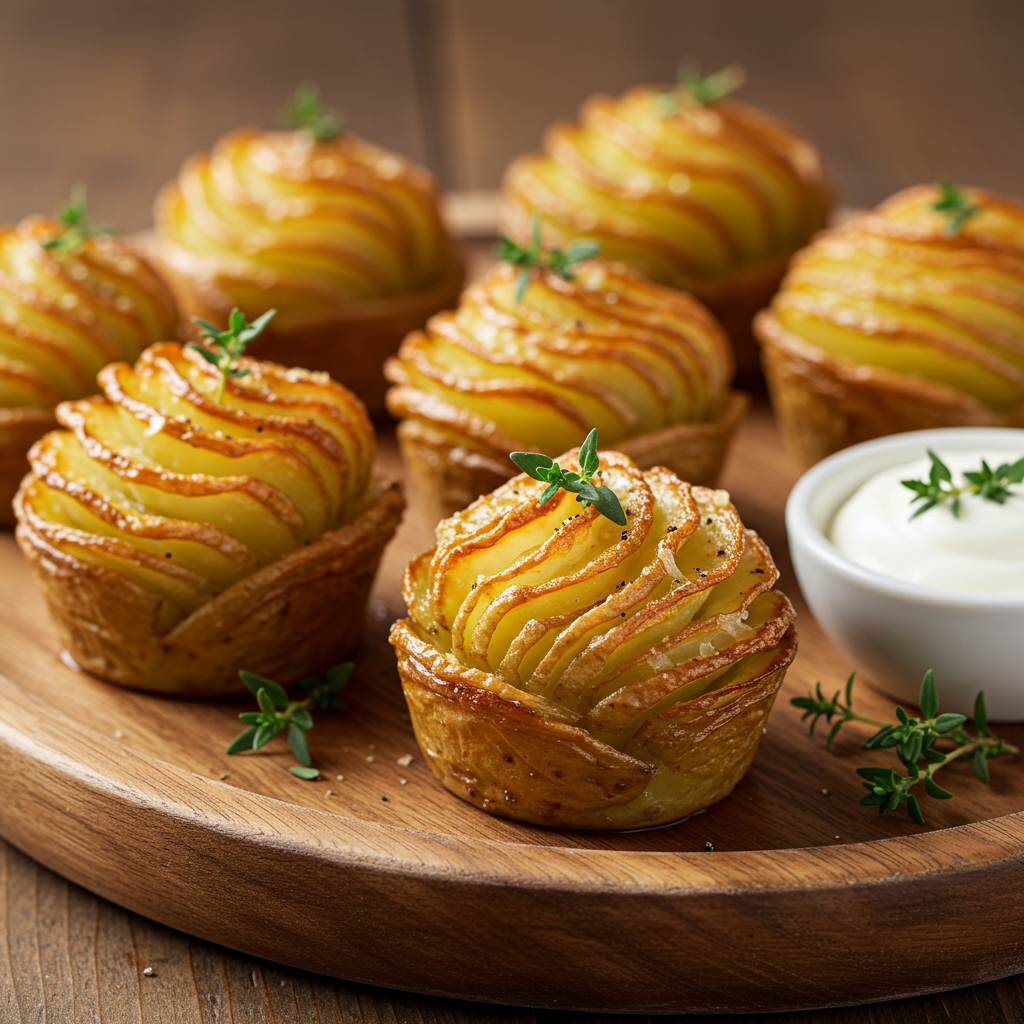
{"points": [[982, 551]]}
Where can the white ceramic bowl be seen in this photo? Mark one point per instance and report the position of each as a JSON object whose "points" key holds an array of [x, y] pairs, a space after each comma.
{"points": [[894, 631]]}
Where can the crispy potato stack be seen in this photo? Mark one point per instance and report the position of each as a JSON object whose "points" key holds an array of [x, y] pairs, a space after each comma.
{"points": [[710, 199], [890, 322], [343, 238], [564, 671], [646, 365], [64, 313], [179, 538]]}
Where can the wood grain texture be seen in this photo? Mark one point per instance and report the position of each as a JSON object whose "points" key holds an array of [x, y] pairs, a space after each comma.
{"points": [[403, 885], [67, 956]]}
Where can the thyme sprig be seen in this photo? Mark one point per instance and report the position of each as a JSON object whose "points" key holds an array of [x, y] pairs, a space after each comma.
{"points": [[279, 712], [695, 89], [562, 261], [958, 208], [74, 217], [308, 114], [987, 483], [603, 498], [224, 348], [914, 740]]}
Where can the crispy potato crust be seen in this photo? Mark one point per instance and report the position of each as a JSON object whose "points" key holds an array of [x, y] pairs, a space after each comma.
{"points": [[509, 759], [565, 671], [298, 615]]}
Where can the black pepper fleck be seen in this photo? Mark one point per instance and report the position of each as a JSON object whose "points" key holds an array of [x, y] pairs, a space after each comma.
{"points": [[672, 529], [721, 551], [708, 521], [167, 554], [384, 798], [259, 429], [759, 571], [625, 534]]}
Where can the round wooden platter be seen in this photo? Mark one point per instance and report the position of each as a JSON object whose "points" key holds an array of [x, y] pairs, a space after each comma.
{"points": [[378, 875]]}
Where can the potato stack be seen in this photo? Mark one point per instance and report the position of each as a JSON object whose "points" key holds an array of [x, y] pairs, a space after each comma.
{"points": [[564, 670]]}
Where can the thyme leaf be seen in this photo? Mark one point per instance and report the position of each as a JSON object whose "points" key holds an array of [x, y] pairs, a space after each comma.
{"points": [[562, 261], [76, 229], [987, 483], [278, 713], [958, 208], [914, 740], [224, 348], [541, 467], [694, 89], [308, 114]]}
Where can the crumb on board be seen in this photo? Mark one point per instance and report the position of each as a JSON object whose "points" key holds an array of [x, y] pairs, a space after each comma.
{"points": [[224, 775], [709, 847], [403, 782], [330, 792], [404, 761], [340, 778], [149, 972], [370, 759], [118, 734], [826, 792]]}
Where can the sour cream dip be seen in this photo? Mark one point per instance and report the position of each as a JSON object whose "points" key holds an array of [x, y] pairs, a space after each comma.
{"points": [[981, 551]]}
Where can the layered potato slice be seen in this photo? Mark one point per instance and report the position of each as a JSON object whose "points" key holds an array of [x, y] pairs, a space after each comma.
{"points": [[169, 504], [342, 237], [566, 671], [646, 365], [711, 199], [892, 321], [64, 313]]}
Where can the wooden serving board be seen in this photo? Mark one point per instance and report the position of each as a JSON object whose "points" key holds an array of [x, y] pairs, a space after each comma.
{"points": [[381, 876]]}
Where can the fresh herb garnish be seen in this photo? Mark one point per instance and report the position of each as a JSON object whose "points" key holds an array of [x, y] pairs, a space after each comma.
{"points": [[695, 89], [76, 227], [988, 483], [308, 114], [228, 346], [958, 208], [914, 740], [562, 261], [279, 712], [540, 467]]}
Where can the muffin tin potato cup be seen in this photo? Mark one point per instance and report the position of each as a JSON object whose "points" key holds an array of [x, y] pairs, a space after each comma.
{"points": [[564, 671], [892, 630], [184, 526], [900, 318], [535, 364], [711, 199]]}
